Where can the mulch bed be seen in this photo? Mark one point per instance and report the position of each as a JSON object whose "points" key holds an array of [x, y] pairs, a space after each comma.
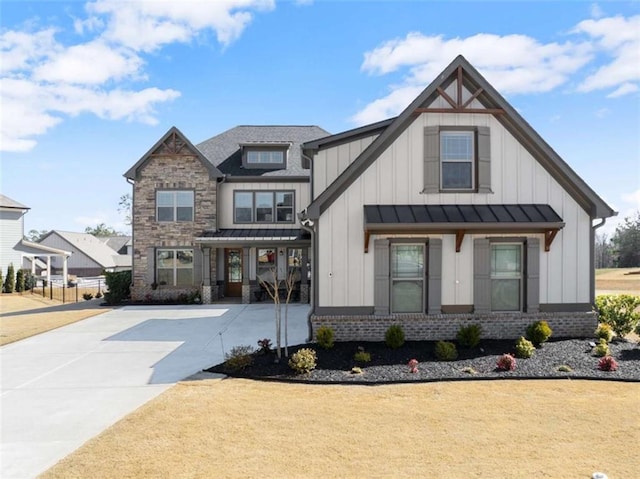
{"points": [[390, 365]]}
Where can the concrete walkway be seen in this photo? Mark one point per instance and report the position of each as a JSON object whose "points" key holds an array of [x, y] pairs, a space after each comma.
{"points": [[63, 387]]}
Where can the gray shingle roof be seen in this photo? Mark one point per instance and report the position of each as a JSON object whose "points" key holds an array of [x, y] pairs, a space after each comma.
{"points": [[92, 247], [6, 202], [224, 152]]}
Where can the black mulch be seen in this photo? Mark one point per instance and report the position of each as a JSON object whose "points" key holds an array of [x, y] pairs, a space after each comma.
{"points": [[390, 366]]}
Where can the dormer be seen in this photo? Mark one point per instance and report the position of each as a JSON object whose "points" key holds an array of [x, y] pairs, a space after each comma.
{"points": [[265, 155]]}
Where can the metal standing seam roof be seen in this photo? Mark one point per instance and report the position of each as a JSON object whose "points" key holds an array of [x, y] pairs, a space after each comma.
{"points": [[256, 234], [478, 215]]}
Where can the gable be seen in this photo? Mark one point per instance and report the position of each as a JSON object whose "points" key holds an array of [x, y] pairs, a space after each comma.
{"points": [[175, 145], [460, 89]]}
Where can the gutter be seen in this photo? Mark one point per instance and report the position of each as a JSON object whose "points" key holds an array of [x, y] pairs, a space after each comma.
{"points": [[308, 225]]}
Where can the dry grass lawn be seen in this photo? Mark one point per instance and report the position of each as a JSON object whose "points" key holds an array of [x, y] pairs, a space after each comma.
{"points": [[486, 429], [618, 281], [23, 316]]}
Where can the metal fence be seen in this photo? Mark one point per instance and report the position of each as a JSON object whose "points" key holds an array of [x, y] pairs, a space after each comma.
{"points": [[71, 292]]}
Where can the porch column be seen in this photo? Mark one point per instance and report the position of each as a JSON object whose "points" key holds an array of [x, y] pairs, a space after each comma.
{"points": [[48, 269], [65, 258], [246, 287], [206, 275], [304, 282], [33, 265]]}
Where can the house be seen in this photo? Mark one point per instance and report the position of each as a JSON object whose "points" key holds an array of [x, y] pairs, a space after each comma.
{"points": [[90, 256], [216, 217], [15, 250], [121, 244], [454, 212]]}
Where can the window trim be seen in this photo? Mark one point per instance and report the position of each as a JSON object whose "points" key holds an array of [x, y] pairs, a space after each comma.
{"points": [[408, 242], [523, 274], [265, 148], [175, 268], [473, 133], [175, 204], [254, 214]]}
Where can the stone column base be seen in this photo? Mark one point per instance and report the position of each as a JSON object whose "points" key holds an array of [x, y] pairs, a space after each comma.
{"points": [[206, 295], [246, 294], [304, 293]]}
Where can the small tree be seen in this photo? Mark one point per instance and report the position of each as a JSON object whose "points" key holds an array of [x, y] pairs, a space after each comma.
{"points": [[270, 282], [10, 280], [20, 281], [290, 283]]}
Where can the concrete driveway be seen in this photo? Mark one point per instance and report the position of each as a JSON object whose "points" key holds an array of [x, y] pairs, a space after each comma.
{"points": [[63, 387]]}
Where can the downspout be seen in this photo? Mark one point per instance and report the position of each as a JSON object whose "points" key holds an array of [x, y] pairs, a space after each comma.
{"points": [[308, 225], [592, 268]]}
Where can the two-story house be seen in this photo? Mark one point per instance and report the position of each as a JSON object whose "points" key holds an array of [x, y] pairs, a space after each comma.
{"points": [[454, 212], [219, 216]]}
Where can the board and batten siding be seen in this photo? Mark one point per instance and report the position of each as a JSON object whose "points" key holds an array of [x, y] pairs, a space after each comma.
{"points": [[225, 197], [77, 259], [346, 276], [12, 227], [329, 163]]}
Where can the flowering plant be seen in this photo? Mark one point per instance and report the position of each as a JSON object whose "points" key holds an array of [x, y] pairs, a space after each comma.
{"points": [[413, 365], [506, 362], [607, 363]]}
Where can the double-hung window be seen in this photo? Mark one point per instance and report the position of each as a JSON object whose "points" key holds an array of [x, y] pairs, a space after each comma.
{"points": [[263, 207], [174, 205], [457, 160], [407, 278], [506, 277], [174, 267]]}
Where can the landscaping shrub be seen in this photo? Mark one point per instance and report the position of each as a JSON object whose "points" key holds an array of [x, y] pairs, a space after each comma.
{"points": [[239, 358], [9, 280], [607, 363], [601, 349], [98, 295], [604, 331], [265, 346], [506, 362], [394, 336], [563, 368], [20, 281], [303, 360], [413, 365], [618, 311], [87, 296], [469, 336], [30, 281], [539, 332], [362, 357], [356, 370], [524, 348], [324, 337], [446, 351], [1, 283], [118, 285]]}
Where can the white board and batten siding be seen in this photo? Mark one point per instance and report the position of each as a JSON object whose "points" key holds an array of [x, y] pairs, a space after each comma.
{"points": [[12, 227], [396, 177], [225, 199]]}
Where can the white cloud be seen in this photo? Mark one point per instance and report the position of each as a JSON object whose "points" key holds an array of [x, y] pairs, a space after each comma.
{"points": [[603, 112], [624, 89], [22, 50], [596, 11], [633, 198]]}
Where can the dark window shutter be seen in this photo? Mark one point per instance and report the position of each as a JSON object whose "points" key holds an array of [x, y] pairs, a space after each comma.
{"points": [[197, 266], [431, 159], [434, 291], [381, 273], [151, 265], [481, 276], [533, 275], [484, 160]]}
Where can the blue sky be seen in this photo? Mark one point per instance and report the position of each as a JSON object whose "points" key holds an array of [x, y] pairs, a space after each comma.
{"points": [[88, 87]]}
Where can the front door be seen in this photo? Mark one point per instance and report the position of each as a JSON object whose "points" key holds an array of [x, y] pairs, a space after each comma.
{"points": [[233, 273]]}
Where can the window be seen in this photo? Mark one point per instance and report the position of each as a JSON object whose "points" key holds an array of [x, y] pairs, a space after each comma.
{"points": [[263, 207], [506, 277], [266, 264], [407, 278], [174, 267], [457, 160], [174, 205], [265, 157], [272, 157]]}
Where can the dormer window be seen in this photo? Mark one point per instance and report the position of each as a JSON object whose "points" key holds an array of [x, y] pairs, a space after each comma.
{"points": [[265, 156]]}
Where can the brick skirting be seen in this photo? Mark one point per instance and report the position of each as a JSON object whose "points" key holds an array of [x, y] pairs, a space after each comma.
{"points": [[446, 326]]}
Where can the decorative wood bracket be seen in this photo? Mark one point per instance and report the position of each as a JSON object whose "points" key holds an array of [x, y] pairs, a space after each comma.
{"points": [[366, 241], [459, 238], [549, 236]]}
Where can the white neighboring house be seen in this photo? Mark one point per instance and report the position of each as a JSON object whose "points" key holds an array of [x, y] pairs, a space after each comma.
{"points": [[91, 256], [14, 249]]}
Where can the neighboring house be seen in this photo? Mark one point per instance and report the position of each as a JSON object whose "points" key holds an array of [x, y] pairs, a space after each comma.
{"points": [[14, 249], [90, 255], [453, 213], [121, 244], [217, 217]]}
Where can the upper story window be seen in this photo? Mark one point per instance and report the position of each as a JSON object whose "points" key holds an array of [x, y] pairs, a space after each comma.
{"points": [[262, 157], [457, 160], [174, 205], [263, 207]]}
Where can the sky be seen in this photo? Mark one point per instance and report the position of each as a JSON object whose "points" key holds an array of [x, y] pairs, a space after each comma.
{"points": [[86, 88]]}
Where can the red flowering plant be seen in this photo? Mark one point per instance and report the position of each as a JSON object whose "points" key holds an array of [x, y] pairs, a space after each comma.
{"points": [[506, 362], [413, 365], [607, 363]]}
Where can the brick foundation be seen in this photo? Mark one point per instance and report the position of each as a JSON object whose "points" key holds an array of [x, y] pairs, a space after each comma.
{"points": [[446, 326], [160, 294]]}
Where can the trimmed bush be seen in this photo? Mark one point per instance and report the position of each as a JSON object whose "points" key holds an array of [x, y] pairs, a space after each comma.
{"points": [[524, 348], [362, 357], [446, 351], [303, 361], [239, 358], [20, 281], [324, 337], [98, 295], [607, 363], [619, 312], [506, 362], [394, 336], [9, 280], [87, 296], [469, 336], [604, 331], [563, 368], [539, 332], [118, 285], [265, 346], [601, 349]]}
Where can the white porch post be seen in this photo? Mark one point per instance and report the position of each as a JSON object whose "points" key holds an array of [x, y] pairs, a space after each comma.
{"points": [[48, 269], [33, 265], [64, 270]]}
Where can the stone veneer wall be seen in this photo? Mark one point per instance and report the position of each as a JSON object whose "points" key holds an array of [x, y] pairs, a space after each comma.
{"points": [[169, 172], [446, 326]]}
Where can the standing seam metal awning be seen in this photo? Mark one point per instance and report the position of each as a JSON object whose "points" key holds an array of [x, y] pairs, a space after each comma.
{"points": [[459, 219], [252, 235]]}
